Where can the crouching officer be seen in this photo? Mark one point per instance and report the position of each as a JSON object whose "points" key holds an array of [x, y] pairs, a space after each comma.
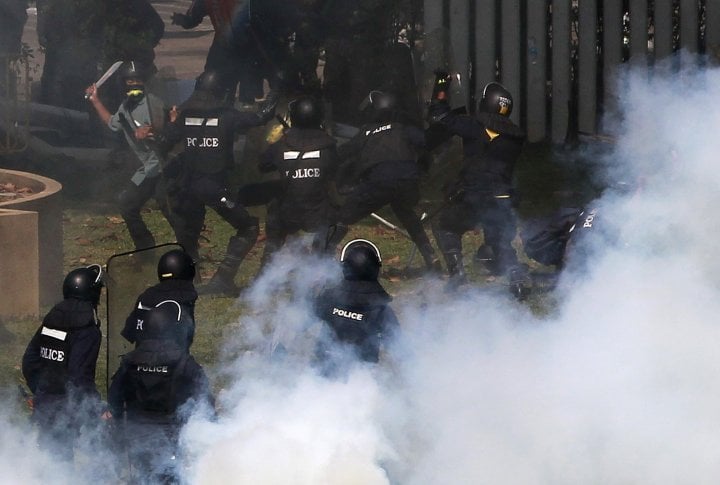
{"points": [[60, 360], [155, 389], [207, 129], [306, 158], [176, 271], [482, 194], [383, 156], [356, 312]]}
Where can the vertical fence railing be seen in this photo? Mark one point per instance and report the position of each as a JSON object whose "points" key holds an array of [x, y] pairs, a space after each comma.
{"points": [[560, 58]]}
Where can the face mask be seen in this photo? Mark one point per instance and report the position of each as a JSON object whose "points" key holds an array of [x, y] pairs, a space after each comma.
{"points": [[135, 92]]}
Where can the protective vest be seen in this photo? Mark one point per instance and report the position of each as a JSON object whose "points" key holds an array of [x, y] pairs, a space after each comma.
{"points": [[154, 376], [54, 351], [385, 142], [207, 140], [357, 313], [308, 163], [181, 291]]}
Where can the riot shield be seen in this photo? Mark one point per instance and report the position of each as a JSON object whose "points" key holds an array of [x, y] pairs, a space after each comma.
{"points": [[438, 56], [128, 275], [446, 157]]}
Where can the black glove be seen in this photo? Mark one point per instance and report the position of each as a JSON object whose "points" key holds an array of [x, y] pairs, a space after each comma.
{"points": [[437, 111], [267, 109], [182, 20]]}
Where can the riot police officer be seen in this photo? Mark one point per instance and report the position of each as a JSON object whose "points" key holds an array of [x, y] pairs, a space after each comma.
{"points": [[383, 156], [60, 360], [176, 272], [207, 128], [306, 158], [484, 189], [149, 389], [140, 117], [356, 311]]}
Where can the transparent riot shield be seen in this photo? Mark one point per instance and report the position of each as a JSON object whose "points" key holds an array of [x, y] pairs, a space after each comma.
{"points": [[128, 275], [438, 55]]}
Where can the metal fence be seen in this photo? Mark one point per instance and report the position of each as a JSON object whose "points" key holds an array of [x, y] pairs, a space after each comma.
{"points": [[560, 58]]}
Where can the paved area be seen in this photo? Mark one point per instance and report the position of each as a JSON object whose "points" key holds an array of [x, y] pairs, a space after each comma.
{"points": [[180, 54]]}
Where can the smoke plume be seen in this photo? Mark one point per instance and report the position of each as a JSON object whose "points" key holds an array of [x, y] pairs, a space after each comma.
{"points": [[619, 384]]}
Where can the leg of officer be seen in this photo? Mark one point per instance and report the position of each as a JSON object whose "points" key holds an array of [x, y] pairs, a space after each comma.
{"points": [[212, 190], [499, 229], [452, 223], [404, 208]]}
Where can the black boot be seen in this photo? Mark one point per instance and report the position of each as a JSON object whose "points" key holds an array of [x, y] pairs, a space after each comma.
{"points": [[335, 235], [450, 245], [432, 262], [519, 282], [223, 281], [456, 270]]}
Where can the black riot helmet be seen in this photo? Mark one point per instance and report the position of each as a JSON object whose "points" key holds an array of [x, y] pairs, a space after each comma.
{"points": [[84, 284], [163, 322], [361, 260], [131, 70], [132, 80], [496, 99], [210, 82], [176, 264], [382, 106], [305, 112]]}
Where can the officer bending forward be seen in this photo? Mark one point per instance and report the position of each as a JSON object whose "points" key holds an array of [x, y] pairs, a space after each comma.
{"points": [[356, 312], [306, 158], [206, 127]]}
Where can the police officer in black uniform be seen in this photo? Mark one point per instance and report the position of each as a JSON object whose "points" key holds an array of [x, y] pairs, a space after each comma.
{"points": [[306, 158], [59, 363], [483, 191], [150, 389], [176, 271], [356, 311], [207, 128], [383, 155]]}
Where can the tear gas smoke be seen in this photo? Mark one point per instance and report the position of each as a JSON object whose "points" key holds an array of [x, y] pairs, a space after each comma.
{"points": [[621, 384]]}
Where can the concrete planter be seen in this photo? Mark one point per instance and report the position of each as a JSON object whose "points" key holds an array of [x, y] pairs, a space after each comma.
{"points": [[31, 245]]}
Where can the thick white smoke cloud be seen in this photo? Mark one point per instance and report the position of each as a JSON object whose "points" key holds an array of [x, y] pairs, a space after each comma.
{"points": [[621, 384]]}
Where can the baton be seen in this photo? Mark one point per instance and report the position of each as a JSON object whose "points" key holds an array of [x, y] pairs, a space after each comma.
{"points": [[390, 225]]}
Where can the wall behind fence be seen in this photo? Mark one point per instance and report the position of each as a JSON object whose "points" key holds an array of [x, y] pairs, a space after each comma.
{"points": [[560, 58]]}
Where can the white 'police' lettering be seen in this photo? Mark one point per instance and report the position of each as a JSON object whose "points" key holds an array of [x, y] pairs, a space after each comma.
{"points": [[52, 354], [203, 142], [158, 369], [347, 314], [304, 173], [589, 219], [378, 130]]}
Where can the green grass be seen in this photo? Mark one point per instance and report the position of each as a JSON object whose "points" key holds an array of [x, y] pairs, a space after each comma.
{"points": [[94, 233]]}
